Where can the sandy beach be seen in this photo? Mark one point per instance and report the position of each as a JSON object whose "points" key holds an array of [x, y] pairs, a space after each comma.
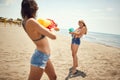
{"points": [[96, 61]]}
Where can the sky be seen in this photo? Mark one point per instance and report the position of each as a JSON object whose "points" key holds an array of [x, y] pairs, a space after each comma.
{"points": [[99, 15]]}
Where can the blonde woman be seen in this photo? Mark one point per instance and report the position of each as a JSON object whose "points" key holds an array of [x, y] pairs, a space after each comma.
{"points": [[76, 36]]}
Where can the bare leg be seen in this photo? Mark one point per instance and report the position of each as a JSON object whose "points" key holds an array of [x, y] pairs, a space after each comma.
{"points": [[50, 71], [35, 73], [74, 49]]}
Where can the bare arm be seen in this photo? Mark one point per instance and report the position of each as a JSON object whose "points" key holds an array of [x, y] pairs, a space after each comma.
{"points": [[82, 31], [33, 23], [72, 33]]}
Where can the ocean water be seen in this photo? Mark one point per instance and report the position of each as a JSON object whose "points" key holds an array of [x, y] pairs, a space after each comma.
{"points": [[102, 38]]}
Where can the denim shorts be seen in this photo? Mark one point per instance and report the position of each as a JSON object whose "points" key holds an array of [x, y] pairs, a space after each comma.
{"points": [[76, 41], [39, 59]]}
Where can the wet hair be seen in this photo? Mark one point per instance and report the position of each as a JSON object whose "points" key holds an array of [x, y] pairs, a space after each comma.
{"points": [[81, 21], [28, 8]]}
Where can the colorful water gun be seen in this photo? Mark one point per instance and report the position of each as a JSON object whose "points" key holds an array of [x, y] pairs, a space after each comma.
{"points": [[71, 30], [48, 23]]}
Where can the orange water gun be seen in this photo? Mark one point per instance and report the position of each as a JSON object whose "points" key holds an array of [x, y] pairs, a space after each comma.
{"points": [[48, 23]]}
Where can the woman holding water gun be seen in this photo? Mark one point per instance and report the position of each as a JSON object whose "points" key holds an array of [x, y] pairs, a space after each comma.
{"points": [[76, 36]]}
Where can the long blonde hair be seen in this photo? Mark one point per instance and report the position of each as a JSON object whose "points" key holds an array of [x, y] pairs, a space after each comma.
{"points": [[81, 21]]}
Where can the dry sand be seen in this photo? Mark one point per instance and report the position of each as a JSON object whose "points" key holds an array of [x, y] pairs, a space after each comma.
{"points": [[96, 61]]}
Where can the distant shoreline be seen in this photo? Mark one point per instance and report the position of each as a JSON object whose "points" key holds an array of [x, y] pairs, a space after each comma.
{"points": [[101, 38]]}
